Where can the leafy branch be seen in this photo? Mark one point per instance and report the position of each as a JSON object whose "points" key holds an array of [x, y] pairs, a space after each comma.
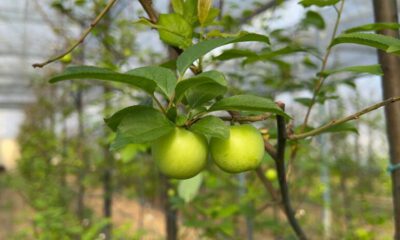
{"points": [[343, 120], [322, 78], [320, 81], [81, 39]]}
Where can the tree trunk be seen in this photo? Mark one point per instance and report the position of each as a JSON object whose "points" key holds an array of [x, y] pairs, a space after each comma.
{"points": [[171, 218], [386, 11]]}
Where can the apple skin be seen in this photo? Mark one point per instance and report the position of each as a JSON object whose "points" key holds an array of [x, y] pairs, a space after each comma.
{"points": [[243, 151], [180, 154]]}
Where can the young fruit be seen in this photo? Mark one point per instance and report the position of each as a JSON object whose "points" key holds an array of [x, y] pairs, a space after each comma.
{"points": [[180, 154], [243, 150], [271, 174]]}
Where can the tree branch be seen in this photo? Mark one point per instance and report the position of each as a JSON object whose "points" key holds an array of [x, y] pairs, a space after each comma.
{"points": [[81, 39], [270, 149], [280, 166], [279, 156], [343, 120]]}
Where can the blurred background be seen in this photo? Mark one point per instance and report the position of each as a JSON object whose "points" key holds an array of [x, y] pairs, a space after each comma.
{"points": [[58, 180]]}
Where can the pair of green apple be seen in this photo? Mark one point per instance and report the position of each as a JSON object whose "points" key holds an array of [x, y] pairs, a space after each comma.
{"points": [[183, 154]]}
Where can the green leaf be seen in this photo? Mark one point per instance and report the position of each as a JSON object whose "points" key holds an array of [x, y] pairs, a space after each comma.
{"points": [[247, 103], [204, 93], [344, 127], [235, 53], [270, 55], [217, 76], [190, 11], [309, 63], [175, 30], [321, 99], [170, 64], [319, 3], [96, 73], [164, 77], [211, 77], [129, 152], [382, 42], [370, 69], [94, 230], [139, 124], [393, 49], [177, 5], [304, 101], [196, 51], [211, 126], [374, 27], [203, 8], [212, 15], [197, 110], [188, 188], [114, 121], [181, 120], [172, 114], [314, 19]]}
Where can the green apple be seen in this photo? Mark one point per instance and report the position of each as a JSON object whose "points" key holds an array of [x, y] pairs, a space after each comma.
{"points": [[271, 174], [67, 58], [242, 151], [181, 153]]}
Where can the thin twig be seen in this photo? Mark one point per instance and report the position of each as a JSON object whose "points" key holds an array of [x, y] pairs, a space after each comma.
{"points": [[81, 39], [322, 78], [148, 8], [343, 120]]}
